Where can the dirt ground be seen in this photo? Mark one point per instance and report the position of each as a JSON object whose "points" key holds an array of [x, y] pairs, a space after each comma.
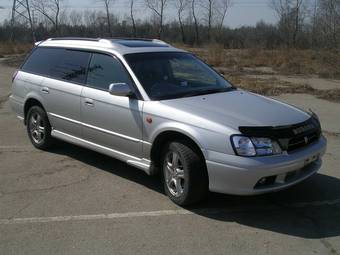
{"points": [[74, 201]]}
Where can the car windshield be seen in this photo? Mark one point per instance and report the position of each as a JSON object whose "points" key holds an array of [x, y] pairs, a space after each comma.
{"points": [[168, 75]]}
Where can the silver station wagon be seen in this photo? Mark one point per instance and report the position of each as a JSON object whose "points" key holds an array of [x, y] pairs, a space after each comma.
{"points": [[163, 110]]}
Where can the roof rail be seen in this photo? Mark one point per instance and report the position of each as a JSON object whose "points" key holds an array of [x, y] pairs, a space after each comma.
{"points": [[109, 42], [138, 39], [74, 38], [98, 39]]}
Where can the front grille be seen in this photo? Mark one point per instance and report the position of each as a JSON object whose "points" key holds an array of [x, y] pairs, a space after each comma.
{"points": [[302, 141], [290, 138]]}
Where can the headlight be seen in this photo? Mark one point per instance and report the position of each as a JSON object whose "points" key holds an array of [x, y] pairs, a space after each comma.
{"points": [[254, 146], [243, 146]]}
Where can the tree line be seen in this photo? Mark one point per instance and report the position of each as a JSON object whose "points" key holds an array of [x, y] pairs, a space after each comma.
{"points": [[301, 23]]}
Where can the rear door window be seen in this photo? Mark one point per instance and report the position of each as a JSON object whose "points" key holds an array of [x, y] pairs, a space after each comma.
{"points": [[71, 66], [62, 64], [105, 70]]}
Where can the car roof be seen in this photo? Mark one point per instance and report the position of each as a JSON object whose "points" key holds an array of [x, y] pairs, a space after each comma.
{"points": [[120, 45]]}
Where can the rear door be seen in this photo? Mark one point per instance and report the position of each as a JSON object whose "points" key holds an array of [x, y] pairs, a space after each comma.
{"points": [[111, 121], [65, 73]]}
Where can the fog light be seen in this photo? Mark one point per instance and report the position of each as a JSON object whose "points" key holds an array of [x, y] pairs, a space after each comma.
{"points": [[265, 182]]}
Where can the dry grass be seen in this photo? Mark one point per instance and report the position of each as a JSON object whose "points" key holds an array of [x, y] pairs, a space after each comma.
{"points": [[11, 48], [216, 55], [322, 63], [274, 87], [330, 95], [235, 64], [15, 61]]}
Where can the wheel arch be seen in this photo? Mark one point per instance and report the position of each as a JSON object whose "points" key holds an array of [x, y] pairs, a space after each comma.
{"points": [[31, 101], [167, 136]]}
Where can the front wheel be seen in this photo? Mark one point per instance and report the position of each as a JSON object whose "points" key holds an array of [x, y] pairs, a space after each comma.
{"points": [[184, 174], [39, 128]]}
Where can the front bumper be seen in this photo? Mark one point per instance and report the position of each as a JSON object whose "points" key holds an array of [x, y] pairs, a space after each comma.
{"points": [[232, 174]]}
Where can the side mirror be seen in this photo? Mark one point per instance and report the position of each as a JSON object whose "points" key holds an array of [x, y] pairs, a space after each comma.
{"points": [[120, 89]]}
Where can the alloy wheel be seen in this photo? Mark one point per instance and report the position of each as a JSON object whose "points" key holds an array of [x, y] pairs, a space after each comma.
{"points": [[174, 174], [37, 128]]}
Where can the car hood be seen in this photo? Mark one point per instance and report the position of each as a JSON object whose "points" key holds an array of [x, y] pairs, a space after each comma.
{"points": [[236, 108]]}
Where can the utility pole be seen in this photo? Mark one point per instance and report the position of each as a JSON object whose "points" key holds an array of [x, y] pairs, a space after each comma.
{"points": [[21, 8]]}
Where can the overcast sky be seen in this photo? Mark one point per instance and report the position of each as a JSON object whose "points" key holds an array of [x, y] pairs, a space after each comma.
{"points": [[243, 12]]}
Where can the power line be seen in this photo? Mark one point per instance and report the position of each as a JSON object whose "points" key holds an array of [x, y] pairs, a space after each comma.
{"points": [[21, 9]]}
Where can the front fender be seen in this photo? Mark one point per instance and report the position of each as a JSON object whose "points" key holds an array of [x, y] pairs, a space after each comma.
{"points": [[207, 140], [182, 128], [209, 136]]}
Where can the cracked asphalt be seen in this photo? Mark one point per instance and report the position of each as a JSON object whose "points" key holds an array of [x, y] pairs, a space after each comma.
{"points": [[70, 200]]}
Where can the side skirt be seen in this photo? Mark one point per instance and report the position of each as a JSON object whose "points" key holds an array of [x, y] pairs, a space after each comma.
{"points": [[141, 163]]}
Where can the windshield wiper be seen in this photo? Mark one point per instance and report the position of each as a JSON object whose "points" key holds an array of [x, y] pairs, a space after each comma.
{"points": [[205, 92], [194, 93]]}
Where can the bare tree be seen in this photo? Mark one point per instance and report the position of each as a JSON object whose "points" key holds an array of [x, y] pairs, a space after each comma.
{"points": [[215, 12], [107, 6], [132, 16], [75, 18], [90, 18], [181, 5], [297, 17], [208, 7], [281, 7], [50, 9], [193, 9], [222, 9], [314, 18], [158, 8], [291, 15], [330, 21]]}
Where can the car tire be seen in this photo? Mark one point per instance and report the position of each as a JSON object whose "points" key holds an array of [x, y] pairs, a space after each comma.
{"points": [[39, 128], [185, 176]]}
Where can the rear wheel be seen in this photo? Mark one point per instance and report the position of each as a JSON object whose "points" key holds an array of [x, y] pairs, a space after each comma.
{"points": [[39, 128], [184, 174]]}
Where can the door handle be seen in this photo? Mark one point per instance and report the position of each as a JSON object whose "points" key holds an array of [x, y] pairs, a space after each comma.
{"points": [[89, 102], [45, 90]]}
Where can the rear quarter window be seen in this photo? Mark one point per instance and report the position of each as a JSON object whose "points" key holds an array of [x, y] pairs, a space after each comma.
{"points": [[41, 60], [62, 64]]}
